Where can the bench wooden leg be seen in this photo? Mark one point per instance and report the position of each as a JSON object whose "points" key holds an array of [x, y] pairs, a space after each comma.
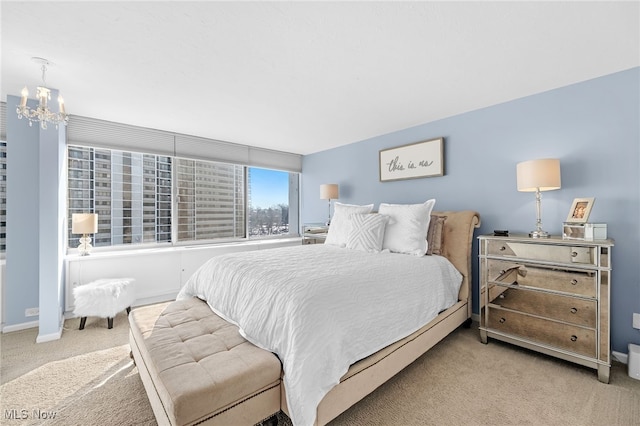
{"points": [[83, 321], [110, 323]]}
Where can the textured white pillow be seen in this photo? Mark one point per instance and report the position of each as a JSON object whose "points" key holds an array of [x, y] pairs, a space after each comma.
{"points": [[367, 232], [406, 231], [340, 226]]}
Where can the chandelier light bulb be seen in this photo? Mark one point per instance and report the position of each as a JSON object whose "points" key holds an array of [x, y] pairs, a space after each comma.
{"points": [[61, 104], [25, 95]]}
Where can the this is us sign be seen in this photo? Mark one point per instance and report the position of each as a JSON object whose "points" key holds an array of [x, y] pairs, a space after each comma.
{"points": [[416, 160]]}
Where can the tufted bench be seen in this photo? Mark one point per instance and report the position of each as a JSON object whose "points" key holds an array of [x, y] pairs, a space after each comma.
{"points": [[198, 369]]}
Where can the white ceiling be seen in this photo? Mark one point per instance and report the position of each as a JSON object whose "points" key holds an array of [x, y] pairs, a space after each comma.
{"points": [[307, 76]]}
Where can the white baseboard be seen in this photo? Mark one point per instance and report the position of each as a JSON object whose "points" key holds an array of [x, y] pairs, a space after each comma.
{"points": [[19, 327], [619, 356], [52, 336], [32, 324], [49, 337]]}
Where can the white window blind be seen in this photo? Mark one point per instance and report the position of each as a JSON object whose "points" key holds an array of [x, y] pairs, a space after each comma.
{"points": [[276, 160], [95, 133], [211, 150], [91, 132]]}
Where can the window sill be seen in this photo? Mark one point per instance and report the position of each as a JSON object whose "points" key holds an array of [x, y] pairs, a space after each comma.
{"points": [[105, 254]]}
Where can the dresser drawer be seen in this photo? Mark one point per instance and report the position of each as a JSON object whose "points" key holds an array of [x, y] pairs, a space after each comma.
{"points": [[579, 282], [564, 336], [562, 308], [543, 252]]}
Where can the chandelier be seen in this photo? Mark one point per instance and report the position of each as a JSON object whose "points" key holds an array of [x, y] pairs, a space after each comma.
{"points": [[42, 113]]}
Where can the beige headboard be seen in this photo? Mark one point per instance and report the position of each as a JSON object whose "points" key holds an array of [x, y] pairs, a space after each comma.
{"points": [[457, 241]]}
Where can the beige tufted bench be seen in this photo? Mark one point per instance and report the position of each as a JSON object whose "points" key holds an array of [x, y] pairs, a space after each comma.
{"points": [[198, 369]]}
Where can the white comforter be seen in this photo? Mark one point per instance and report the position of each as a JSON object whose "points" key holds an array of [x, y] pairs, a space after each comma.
{"points": [[321, 308]]}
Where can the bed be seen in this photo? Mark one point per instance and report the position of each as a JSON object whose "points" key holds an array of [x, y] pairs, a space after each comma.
{"points": [[330, 357]]}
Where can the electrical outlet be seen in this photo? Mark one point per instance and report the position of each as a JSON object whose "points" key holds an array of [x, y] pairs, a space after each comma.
{"points": [[636, 321], [32, 312]]}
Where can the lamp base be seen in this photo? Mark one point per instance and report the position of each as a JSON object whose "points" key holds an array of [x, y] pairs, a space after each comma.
{"points": [[85, 245], [539, 233]]}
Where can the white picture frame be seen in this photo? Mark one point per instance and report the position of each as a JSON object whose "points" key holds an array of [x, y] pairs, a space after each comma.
{"points": [[580, 210]]}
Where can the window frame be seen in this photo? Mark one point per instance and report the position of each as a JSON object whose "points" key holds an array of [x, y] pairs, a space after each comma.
{"points": [[175, 243]]}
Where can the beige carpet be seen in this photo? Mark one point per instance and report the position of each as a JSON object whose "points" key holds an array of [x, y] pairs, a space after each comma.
{"points": [[87, 378]]}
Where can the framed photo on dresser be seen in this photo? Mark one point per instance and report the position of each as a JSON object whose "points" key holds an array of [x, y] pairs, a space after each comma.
{"points": [[580, 210]]}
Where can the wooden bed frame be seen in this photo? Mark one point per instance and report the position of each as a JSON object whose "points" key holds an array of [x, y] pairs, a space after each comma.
{"points": [[366, 375]]}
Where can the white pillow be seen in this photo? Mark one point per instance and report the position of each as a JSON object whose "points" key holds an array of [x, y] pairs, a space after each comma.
{"points": [[340, 226], [406, 231], [367, 232]]}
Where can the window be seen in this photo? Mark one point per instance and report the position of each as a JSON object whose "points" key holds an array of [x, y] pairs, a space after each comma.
{"points": [[268, 202], [130, 192], [148, 198], [210, 200], [3, 196]]}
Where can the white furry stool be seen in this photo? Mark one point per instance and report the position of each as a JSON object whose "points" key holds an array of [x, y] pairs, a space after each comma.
{"points": [[103, 298]]}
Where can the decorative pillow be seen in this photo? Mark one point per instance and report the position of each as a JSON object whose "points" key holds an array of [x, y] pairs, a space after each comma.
{"points": [[340, 226], [435, 234], [367, 232], [406, 231]]}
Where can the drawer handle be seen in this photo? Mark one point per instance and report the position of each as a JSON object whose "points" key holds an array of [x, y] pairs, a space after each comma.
{"points": [[503, 248], [574, 310], [502, 320], [574, 254], [574, 281], [574, 338]]}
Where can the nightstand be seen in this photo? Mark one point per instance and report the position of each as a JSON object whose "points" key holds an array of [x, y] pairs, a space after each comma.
{"points": [[314, 233], [549, 295]]}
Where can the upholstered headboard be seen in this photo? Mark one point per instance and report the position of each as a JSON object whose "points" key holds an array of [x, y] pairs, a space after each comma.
{"points": [[457, 241]]}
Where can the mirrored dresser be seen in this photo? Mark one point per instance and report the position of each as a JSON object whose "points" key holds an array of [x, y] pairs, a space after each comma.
{"points": [[549, 295]]}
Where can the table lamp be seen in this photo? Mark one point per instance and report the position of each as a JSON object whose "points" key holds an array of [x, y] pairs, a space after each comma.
{"points": [[85, 224], [537, 176], [329, 191]]}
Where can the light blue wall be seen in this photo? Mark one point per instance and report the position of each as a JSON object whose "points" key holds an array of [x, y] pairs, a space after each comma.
{"points": [[35, 214], [23, 213], [592, 127]]}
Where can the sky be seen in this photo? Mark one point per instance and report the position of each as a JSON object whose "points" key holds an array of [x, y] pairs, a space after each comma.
{"points": [[268, 187]]}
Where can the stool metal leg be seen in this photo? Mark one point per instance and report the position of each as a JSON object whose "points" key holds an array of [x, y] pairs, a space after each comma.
{"points": [[83, 321], [110, 323]]}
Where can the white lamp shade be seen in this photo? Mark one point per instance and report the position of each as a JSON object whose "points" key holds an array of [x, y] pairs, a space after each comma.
{"points": [[84, 223], [329, 191], [541, 174]]}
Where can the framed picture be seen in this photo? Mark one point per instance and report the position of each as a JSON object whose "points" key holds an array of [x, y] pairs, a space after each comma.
{"points": [[412, 161], [580, 210]]}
